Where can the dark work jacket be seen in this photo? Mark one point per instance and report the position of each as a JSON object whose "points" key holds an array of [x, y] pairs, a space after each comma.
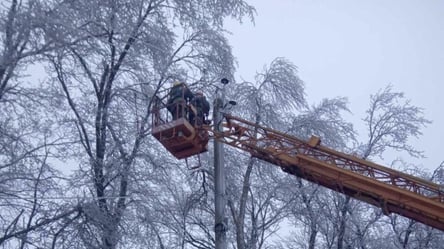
{"points": [[201, 104], [179, 92]]}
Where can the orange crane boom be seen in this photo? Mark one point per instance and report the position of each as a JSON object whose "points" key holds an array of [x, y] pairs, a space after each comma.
{"points": [[391, 190]]}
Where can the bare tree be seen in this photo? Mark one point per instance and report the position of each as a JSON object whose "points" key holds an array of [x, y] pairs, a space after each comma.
{"points": [[108, 81], [28, 144], [329, 219], [324, 120], [391, 121], [255, 207]]}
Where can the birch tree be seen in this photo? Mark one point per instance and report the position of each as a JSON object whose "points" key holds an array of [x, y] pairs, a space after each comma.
{"points": [[329, 219], [108, 81], [391, 121], [27, 140], [255, 205], [324, 120]]}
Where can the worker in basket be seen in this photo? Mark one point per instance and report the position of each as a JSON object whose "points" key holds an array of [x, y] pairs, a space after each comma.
{"points": [[178, 98], [202, 108]]}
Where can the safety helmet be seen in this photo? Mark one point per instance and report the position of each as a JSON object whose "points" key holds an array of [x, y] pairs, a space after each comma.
{"points": [[176, 83]]}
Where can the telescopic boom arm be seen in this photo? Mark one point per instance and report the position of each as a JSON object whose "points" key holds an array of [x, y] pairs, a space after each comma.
{"points": [[391, 190]]}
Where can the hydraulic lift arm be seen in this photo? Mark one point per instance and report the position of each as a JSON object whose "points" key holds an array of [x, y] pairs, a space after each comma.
{"points": [[391, 190]]}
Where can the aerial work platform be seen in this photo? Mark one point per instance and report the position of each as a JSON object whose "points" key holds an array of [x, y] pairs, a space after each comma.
{"points": [[179, 136]]}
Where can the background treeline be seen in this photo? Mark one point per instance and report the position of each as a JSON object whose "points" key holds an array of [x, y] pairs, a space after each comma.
{"points": [[79, 168]]}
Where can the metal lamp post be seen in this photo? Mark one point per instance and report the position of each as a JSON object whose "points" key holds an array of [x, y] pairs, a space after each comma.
{"points": [[220, 227]]}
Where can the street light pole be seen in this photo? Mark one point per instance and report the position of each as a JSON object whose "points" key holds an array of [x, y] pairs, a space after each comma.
{"points": [[220, 227]]}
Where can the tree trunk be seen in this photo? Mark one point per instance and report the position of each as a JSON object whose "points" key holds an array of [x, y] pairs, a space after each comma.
{"points": [[313, 234], [240, 233], [343, 222]]}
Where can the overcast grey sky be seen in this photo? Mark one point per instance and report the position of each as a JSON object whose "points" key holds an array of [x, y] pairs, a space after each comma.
{"points": [[354, 48]]}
